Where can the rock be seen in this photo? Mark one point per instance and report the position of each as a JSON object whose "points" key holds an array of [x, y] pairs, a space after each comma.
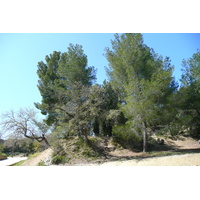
{"points": [[48, 160], [160, 141], [109, 148]]}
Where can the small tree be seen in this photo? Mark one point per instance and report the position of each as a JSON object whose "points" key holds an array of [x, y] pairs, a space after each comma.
{"points": [[24, 123]]}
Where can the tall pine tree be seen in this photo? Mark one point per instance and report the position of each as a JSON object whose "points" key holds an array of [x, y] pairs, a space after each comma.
{"points": [[189, 94], [63, 83], [144, 81]]}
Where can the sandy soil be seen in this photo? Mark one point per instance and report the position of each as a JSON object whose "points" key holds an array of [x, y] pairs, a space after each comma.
{"points": [[192, 159], [41, 157]]}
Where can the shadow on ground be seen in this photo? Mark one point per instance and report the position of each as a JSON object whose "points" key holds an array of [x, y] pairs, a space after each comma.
{"points": [[155, 150]]}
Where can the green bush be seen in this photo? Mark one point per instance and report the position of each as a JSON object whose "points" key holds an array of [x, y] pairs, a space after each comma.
{"points": [[127, 137], [59, 159], [3, 156], [41, 163]]}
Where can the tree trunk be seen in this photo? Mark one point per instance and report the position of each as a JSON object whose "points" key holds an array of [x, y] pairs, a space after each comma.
{"points": [[86, 135], [145, 137], [46, 141]]}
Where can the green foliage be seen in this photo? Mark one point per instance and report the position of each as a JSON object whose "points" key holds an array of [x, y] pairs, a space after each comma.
{"points": [[3, 156], [141, 98], [41, 163], [109, 113], [56, 142], [144, 81], [33, 155], [127, 137], [190, 94], [16, 145], [61, 76], [73, 67], [68, 99], [36, 146], [74, 148], [59, 159]]}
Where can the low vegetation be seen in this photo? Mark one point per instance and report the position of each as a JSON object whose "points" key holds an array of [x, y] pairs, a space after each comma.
{"points": [[74, 151], [3, 156], [42, 163]]}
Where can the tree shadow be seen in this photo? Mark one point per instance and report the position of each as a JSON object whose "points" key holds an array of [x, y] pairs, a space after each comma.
{"points": [[164, 150], [188, 150], [146, 155], [154, 150]]}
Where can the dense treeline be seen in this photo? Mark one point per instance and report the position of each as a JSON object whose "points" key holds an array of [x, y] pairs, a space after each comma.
{"points": [[140, 99]]}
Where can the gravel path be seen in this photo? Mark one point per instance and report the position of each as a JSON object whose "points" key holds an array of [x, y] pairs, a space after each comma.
{"points": [[192, 159], [11, 160]]}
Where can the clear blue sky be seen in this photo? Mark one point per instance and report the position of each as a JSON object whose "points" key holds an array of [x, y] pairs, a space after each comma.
{"points": [[20, 53]]}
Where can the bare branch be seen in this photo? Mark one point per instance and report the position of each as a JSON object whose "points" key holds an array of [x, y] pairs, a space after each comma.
{"points": [[24, 123]]}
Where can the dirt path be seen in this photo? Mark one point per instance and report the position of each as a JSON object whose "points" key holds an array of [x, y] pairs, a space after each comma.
{"points": [[192, 159], [43, 156]]}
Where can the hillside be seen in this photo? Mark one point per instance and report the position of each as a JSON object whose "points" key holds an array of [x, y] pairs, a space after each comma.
{"points": [[183, 151], [41, 157]]}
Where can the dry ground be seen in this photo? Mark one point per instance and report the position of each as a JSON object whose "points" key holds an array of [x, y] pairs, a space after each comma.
{"points": [[186, 145], [39, 158], [192, 159], [125, 157]]}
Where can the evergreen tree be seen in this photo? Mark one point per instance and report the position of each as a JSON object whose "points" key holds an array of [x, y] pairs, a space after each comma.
{"points": [[65, 81], [190, 94], [104, 122], [62, 73], [144, 81]]}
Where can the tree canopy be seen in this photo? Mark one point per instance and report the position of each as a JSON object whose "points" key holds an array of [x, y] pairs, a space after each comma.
{"points": [[58, 77], [189, 93], [144, 80]]}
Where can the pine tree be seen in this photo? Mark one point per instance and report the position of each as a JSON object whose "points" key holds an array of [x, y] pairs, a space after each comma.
{"points": [[143, 79], [190, 94], [64, 82]]}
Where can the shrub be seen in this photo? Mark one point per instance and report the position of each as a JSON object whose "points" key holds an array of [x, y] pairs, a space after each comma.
{"points": [[2, 156], [41, 163], [127, 137], [59, 159]]}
